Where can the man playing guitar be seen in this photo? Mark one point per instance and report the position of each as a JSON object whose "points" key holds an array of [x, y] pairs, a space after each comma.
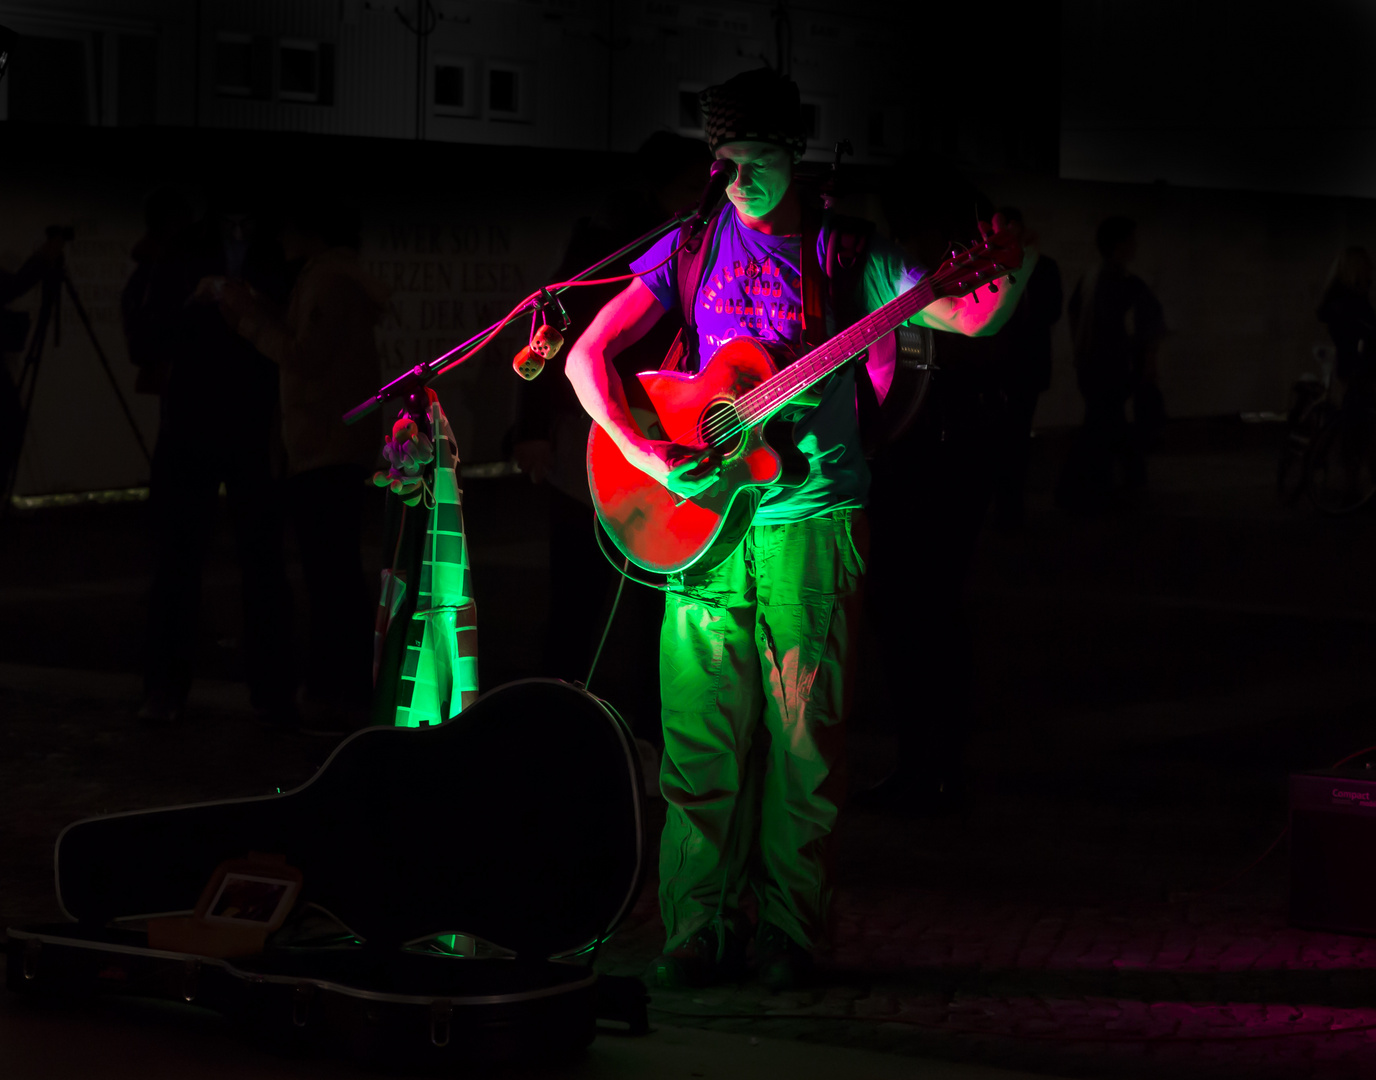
{"points": [[757, 652]]}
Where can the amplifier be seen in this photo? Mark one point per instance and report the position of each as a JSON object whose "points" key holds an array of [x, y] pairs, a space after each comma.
{"points": [[1333, 850]]}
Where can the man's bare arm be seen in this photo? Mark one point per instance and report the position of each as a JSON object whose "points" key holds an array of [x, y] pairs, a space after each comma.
{"points": [[624, 320], [965, 315]]}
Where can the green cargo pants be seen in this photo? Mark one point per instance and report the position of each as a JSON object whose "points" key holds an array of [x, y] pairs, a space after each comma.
{"points": [[756, 662]]}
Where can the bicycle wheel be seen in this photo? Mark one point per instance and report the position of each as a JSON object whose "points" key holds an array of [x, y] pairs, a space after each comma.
{"points": [[1341, 477], [1292, 467], [1307, 414]]}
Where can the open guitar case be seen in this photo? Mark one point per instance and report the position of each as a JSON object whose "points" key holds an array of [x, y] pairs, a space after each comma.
{"points": [[457, 882]]}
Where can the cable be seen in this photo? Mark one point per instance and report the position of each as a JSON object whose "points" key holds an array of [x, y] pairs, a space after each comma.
{"points": [[1180, 898], [1350, 757], [1035, 1036], [611, 615], [624, 568], [532, 298]]}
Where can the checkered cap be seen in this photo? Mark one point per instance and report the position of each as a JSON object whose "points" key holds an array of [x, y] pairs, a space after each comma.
{"points": [[755, 106]]}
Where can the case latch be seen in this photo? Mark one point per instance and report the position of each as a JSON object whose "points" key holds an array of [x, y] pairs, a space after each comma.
{"points": [[441, 1018], [301, 1003]]}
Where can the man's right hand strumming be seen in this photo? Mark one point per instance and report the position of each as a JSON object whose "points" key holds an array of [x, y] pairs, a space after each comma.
{"points": [[682, 469]]}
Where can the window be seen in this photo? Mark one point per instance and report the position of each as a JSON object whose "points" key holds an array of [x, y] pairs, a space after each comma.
{"points": [[450, 89], [689, 110], [451, 92], [819, 121], [243, 66], [506, 93], [136, 93], [689, 120], [305, 72], [503, 91], [300, 71]]}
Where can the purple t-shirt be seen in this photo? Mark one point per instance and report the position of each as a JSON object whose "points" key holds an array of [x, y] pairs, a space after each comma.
{"points": [[752, 287]]}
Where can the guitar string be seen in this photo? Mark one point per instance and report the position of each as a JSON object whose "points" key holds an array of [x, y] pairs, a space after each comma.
{"points": [[750, 408], [806, 371], [817, 364]]}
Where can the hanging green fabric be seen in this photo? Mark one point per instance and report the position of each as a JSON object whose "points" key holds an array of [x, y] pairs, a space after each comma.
{"points": [[426, 658]]}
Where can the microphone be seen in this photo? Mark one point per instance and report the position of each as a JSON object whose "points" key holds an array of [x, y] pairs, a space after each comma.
{"points": [[718, 180]]}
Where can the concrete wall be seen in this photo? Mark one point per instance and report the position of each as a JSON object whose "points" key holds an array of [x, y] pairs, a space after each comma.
{"points": [[595, 74], [461, 233], [1234, 94], [1238, 273]]}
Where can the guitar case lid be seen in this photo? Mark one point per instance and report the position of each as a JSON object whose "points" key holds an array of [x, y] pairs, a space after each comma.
{"points": [[519, 822]]}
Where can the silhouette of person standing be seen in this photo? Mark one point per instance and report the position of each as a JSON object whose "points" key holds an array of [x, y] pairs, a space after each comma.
{"points": [[1117, 326], [1024, 373], [218, 426]]}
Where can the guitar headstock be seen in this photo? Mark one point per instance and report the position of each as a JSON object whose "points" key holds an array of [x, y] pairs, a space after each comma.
{"points": [[979, 264]]}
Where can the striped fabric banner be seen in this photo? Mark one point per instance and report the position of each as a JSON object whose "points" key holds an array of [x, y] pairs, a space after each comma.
{"points": [[439, 675]]}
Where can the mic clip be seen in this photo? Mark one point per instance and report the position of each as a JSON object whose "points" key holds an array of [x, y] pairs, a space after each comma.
{"points": [[552, 309]]}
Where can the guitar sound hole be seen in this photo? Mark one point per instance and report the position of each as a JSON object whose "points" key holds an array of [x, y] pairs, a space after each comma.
{"points": [[718, 428]]}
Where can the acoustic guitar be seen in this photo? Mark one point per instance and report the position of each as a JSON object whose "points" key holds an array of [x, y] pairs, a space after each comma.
{"points": [[729, 414]]}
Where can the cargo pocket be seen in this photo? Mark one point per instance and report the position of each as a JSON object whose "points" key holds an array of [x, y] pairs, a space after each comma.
{"points": [[857, 529], [692, 650]]}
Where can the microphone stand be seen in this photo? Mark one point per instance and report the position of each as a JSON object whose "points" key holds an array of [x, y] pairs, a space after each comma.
{"points": [[410, 385]]}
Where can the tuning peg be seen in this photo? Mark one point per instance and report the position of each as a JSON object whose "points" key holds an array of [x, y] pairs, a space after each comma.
{"points": [[993, 287], [1012, 280]]}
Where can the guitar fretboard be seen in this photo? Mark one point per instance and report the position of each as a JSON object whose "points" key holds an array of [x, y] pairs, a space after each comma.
{"points": [[773, 394]]}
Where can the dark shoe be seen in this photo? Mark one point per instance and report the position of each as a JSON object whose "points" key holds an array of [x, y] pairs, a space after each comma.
{"points": [[781, 962], [716, 953]]}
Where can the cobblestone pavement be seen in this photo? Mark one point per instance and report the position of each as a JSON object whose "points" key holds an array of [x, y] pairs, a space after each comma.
{"points": [[1146, 683], [1210, 986]]}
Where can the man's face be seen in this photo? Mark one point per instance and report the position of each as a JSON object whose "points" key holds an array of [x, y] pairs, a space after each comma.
{"points": [[763, 173]]}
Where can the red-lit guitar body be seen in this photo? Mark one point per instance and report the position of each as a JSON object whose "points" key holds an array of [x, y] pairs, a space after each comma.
{"points": [[665, 534], [728, 412]]}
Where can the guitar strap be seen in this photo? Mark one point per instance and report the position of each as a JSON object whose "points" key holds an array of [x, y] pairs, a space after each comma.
{"points": [[838, 281], [846, 244], [689, 266], [814, 283]]}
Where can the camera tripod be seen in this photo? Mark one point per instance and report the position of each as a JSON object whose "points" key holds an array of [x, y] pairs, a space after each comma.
{"points": [[55, 281]]}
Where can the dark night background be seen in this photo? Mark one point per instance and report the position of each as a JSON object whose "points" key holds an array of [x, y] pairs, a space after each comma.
{"points": [[1142, 679]]}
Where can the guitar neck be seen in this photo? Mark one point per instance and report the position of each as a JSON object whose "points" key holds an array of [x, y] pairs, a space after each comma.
{"points": [[772, 395]]}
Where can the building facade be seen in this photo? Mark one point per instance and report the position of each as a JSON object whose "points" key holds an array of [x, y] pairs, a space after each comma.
{"points": [[561, 74]]}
